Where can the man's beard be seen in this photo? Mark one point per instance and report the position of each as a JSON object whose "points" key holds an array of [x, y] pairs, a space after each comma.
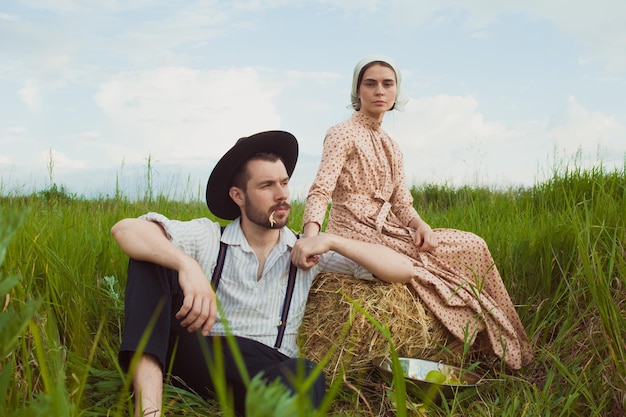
{"points": [[262, 219]]}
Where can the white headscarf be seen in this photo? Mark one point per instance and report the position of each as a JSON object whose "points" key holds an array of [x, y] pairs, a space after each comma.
{"points": [[401, 99]]}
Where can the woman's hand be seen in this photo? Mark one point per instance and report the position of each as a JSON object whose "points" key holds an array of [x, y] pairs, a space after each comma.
{"points": [[425, 238]]}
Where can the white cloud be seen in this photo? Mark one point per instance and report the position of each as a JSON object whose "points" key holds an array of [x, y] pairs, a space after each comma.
{"points": [[448, 122], [91, 135], [16, 130], [7, 17], [178, 113], [163, 26], [164, 90], [58, 5], [57, 160], [77, 6], [575, 125], [155, 38], [30, 93], [52, 72], [320, 76], [481, 34], [447, 139], [598, 25], [598, 136]]}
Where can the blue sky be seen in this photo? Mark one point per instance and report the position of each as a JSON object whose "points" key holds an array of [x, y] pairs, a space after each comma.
{"points": [[94, 92]]}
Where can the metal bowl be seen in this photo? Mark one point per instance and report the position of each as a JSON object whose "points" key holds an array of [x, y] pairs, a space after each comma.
{"points": [[415, 371]]}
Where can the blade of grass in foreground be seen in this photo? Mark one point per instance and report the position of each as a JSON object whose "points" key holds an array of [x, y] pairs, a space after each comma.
{"points": [[600, 271], [396, 367]]}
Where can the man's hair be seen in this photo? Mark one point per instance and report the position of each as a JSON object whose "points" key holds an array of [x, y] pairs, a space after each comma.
{"points": [[242, 175]]}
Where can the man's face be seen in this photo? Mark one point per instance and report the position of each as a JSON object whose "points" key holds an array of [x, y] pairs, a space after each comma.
{"points": [[266, 199]]}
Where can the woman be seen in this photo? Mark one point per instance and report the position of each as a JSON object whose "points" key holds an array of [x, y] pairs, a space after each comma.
{"points": [[362, 172]]}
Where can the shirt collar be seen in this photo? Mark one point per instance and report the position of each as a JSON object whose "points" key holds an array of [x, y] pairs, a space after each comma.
{"points": [[233, 236]]}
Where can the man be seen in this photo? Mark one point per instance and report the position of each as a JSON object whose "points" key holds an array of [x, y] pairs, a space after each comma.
{"points": [[169, 293]]}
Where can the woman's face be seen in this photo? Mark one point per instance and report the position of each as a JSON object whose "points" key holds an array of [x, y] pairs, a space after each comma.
{"points": [[377, 90]]}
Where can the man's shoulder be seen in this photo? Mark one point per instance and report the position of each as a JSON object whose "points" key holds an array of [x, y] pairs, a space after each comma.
{"points": [[198, 223], [184, 229]]}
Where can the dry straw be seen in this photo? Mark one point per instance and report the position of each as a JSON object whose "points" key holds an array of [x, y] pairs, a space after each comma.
{"points": [[331, 321]]}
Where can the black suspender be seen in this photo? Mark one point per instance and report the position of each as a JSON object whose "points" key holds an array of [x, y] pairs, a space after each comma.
{"points": [[291, 283], [219, 266]]}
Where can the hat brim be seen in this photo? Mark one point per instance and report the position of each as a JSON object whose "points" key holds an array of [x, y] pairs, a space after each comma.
{"points": [[278, 142]]}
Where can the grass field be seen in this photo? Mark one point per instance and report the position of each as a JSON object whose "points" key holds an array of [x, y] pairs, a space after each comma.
{"points": [[560, 247]]}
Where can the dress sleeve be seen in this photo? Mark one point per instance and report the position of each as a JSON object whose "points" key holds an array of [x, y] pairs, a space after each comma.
{"points": [[401, 200], [337, 147]]}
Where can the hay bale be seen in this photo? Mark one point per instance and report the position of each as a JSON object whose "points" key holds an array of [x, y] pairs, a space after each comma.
{"points": [[331, 321]]}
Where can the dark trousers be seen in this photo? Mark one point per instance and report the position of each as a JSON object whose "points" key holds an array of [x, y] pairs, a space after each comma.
{"points": [[153, 296]]}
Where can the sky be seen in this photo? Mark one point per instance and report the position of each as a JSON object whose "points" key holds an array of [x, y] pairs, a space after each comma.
{"points": [[125, 96]]}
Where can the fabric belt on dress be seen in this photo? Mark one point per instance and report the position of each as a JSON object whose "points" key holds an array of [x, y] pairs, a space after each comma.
{"points": [[383, 212]]}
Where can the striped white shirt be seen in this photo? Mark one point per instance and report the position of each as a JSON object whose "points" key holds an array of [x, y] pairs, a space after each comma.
{"points": [[252, 307]]}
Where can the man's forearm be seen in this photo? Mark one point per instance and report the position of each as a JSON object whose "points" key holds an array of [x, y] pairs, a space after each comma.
{"points": [[145, 240]]}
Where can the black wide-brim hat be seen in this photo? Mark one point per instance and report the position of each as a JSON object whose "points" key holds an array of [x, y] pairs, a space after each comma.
{"points": [[278, 142]]}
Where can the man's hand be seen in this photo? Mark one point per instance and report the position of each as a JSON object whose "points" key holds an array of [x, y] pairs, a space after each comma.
{"points": [[199, 309], [381, 261], [304, 254], [145, 240]]}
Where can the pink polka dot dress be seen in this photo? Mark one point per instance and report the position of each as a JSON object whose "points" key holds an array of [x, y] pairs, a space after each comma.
{"points": [[362, 173]]}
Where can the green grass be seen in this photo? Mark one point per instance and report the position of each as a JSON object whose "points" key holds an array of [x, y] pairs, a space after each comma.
{"points": [[560, 247]]}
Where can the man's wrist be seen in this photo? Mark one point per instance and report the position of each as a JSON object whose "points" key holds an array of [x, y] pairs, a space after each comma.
{"points": [[186, 263]]}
